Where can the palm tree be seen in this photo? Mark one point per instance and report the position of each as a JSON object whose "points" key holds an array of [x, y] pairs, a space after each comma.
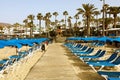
{"points": [[96, 13], [69, 24], [53, 24], [87, 11], [76, 17], [16, 27], [62, 21], [55, 14], [114, 11], [69, 21], [47, 20], [30, 24], [65, 13], [105, 19], [106, 7], [26, 25], [39, 17]]}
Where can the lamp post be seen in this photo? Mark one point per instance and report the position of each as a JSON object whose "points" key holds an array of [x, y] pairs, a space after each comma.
{"points": [[103, 23]]}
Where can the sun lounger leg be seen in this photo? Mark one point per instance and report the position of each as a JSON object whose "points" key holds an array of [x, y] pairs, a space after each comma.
{"points": [[101, 68], [93, 68]]}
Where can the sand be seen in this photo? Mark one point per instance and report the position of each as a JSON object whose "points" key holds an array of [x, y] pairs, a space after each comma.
{"points": [[20, 69]]}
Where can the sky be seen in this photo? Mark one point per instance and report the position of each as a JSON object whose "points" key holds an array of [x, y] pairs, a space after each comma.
{"points": [[12, 11]]}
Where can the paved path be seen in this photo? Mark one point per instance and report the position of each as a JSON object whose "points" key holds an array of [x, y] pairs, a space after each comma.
{"points": [[58, 64]]}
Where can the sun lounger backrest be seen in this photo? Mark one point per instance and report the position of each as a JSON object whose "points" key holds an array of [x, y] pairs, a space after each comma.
{"points": [[84, 48], [102, 53], [88, 49], [4, 65], [91, 50], [74, 45], [112, 57], [101, 44], [113, 78], [109, 73], [98, 52], [117, 61], [78, 45]]}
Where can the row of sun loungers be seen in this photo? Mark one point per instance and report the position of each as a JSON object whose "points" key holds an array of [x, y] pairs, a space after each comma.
{"points": [[85, 53], [20, 57], [97, 43]]}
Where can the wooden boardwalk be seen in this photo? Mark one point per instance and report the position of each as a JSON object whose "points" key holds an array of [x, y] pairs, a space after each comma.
{"points": [[58, 63]]}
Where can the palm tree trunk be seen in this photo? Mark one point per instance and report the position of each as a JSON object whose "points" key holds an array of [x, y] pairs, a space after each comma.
{"points": [[30, 31], [65, 21], [88, 26], [115, 17], [76, 21], [55, 23], [46, 28], [39, 27], [26, 25]]}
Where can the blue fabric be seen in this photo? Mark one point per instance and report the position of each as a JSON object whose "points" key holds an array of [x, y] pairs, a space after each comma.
{"points": [[90, 39], [104, 38], [16, 57], [79, 50], [1, 46], [2, 43], [109, 73], [117, 39], [12, 42], [92, 56], [13, 56], [102, 64], [74, 38], [113, 78], [112, 57], [86, 52], [25, 42], [19, 42], [3, 61], [115, 62]]}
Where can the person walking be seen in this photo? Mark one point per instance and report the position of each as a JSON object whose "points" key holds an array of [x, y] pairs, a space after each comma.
{"points": [[43, 47]]}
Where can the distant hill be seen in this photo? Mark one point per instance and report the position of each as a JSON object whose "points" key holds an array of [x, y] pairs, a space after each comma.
{"points": [[4, 24]]}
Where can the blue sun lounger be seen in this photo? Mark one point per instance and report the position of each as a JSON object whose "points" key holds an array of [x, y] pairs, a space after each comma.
{"points": [[90, 50], [109, 73], [113, 78], [106, 64], [99, 54], [3, 65], [76, 48], [111, 58], [79, 50]]}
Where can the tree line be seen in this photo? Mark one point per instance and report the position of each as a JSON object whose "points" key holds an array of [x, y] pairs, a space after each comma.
{"points": [[90, 15]]}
